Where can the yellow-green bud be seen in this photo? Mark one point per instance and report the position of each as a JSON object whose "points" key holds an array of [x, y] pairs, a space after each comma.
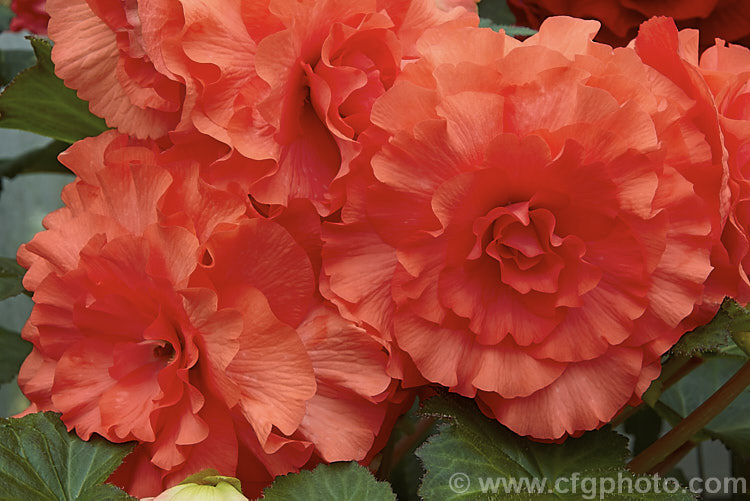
{"points": [[207, 485]]}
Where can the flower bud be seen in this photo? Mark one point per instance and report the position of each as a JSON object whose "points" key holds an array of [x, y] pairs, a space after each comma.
{"points": [[203, 486]]}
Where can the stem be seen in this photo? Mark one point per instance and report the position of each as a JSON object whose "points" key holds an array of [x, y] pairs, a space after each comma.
{"points": [[383, 464], [404, 446], [409, 443], [696, 421], [666, 466]]}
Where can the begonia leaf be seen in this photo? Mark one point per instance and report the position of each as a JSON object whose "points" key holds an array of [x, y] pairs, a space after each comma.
{"points": [[474, 457], [339, 481], [13, 351], [731, 426], [496, 11], [11, 275], [38, 101], [42, 461], [497, 16], [509, 29], [714, 335]]}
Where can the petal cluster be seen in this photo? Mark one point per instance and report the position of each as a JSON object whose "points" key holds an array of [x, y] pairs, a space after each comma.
{"points": [[286, 85], [169, 314], [539, 222]]}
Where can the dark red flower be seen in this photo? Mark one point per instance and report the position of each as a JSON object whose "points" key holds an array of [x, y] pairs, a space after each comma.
{"points": [[30, 15], [727, 19]]}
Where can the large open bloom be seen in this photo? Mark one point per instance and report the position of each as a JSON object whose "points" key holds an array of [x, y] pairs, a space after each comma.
{"points": [[169, 314], [286, 85], [538, 224], [727, 19]]}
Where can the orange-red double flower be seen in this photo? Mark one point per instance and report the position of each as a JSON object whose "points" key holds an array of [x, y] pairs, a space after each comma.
{"points": [[286, 85], [538, 223], [168, 313]]}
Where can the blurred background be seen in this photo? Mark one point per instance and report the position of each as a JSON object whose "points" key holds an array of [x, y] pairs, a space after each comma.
{"points": [[24, 201]]}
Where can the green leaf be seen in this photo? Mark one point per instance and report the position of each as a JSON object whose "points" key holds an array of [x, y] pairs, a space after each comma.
{"points": [[496, 11], [740, 316], [13, 351], [710, 337], [12, 62], [38, 160], [339, 481], [731, 323], [5, 16], [510, 30], [473, 457], [37, 101], [11, 276], [740, 325], [731, 426], [516, 31], [40, 460]]}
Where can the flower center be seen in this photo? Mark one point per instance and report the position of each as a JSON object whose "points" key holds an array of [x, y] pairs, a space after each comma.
{"points": [[165, 352], [524, 244]]}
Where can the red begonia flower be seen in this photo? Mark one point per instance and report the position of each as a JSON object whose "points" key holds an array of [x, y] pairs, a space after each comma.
{"points": [[167, 314], [727, 19], [539, 222], [30, 15]]}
